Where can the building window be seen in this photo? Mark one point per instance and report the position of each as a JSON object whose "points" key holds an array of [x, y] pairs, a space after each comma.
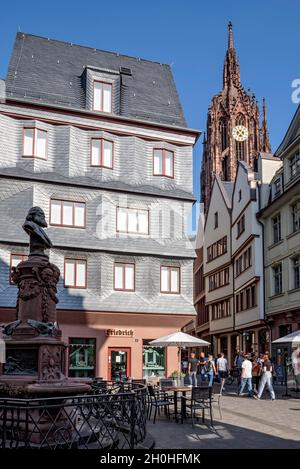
{"points": [[221, 309], [295, 164], [35, 143], [169, 279], [82, 357], [102, 96], [240, 150], [15, 259], [224, 134], [163, 163], [276, 226], [240, 195], [102, 153], [67, 213], [199, 282], [219, 279], [75, 273], [277, 187], [124, 277], [216, 220], [243, 262], [241, 226], [295, 209], [154, 360], [277, 279], [246, 298], [135, 221], [217, 249], [296, 269], [285, 329]]}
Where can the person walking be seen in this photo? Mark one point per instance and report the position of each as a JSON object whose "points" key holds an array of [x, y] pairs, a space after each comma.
{"points": [[222, 370], [246, 376], [266, 378], [210, 369], [201, 368], [193, 366], [256, 373]]}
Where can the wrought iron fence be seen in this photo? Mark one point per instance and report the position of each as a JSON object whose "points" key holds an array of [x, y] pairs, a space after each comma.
{"points": [[113, 416]]}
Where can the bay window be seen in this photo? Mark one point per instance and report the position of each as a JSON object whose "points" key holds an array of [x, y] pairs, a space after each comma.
{"points": [[124, 276], [135, 221], [67, 213], [102, 153], [170, 279], [163, 163], [35, 143], [75, 273]]}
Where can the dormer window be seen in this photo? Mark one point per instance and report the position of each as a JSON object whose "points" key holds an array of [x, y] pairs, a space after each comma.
{"points": [[35, 143], [277, 187], [102, 96], [295, 164]]}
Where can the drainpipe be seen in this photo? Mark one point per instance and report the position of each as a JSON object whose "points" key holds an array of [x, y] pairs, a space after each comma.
{"points": [[265, 319]]}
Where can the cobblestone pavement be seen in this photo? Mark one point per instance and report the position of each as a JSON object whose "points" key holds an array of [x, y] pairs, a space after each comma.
{"points": [[246, 423]]}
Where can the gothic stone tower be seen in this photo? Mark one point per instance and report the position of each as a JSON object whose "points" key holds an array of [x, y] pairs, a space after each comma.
{"points": [[233, 127]]}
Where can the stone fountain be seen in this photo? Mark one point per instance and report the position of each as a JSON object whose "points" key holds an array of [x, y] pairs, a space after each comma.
{"points": [[35, 353]]}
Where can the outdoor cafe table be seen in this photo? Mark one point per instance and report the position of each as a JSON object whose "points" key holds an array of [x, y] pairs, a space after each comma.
{"points": [[176, 390]]}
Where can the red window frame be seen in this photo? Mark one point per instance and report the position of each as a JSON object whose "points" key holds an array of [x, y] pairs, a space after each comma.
{"points": [[73, 213], [75, 260], [112, 100], [24, 257], [33, 143], [101, 165], [163, 173], [123, 264], [169, 292], [127, 231]]}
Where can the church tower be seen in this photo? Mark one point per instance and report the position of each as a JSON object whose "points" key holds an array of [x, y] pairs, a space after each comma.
{"points": [[233, 127]]}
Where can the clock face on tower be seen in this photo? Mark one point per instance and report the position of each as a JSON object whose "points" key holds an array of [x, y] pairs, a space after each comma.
{"points": [[240, 133]]}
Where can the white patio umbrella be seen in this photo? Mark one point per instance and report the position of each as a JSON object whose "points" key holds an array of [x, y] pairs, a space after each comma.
{"points": [[293, 337], [179, 339]]}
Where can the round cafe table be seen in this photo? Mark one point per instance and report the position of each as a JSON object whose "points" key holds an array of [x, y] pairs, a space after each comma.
{"points": [[176, 390]]}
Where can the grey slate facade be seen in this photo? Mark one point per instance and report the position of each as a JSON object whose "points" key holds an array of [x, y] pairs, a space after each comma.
{"points": [[49, 87]]}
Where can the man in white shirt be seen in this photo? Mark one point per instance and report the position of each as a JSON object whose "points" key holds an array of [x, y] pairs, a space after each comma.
{"points": [[222, 370], [246, 377]]}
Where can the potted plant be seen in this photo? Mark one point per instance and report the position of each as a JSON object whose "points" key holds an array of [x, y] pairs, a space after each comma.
{"points": [[178, 377]]}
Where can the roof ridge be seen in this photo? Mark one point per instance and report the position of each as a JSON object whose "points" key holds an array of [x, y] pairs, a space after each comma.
{"points": [[72, 44]]}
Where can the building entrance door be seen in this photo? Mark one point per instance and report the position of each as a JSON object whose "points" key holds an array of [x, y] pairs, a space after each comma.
{"points": [[119, 363]]}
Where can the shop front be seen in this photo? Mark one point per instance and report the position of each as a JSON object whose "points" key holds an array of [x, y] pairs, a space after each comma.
{"points": [[116, 345]]}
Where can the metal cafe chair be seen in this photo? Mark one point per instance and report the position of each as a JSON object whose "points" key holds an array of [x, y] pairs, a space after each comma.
{"points": [[201, 398], [216, 396], [158, 400]]}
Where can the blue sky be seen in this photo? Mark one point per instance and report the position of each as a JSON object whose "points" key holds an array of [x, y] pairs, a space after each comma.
{"points": [[189, 34]]}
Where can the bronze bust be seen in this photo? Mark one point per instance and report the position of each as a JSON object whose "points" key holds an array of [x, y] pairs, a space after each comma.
{"points": [[34, 224]]}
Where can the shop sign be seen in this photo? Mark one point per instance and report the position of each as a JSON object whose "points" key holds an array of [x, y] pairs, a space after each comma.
{"points": [[120, 333]]}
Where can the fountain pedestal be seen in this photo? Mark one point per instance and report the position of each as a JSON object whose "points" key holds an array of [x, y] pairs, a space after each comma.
{"points": [[35, 353]]}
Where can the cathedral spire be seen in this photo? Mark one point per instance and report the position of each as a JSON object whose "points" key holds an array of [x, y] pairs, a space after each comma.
{"points": [[231, 71], [265, 142], [230, 36]]}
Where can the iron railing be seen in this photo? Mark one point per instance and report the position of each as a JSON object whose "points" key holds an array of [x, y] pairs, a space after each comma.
{"points": [[112, 416]]}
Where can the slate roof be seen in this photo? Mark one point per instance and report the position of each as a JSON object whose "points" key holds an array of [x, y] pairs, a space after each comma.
{"points": [[88, 182], [89, 301], [50, 71], [228, 186]]}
